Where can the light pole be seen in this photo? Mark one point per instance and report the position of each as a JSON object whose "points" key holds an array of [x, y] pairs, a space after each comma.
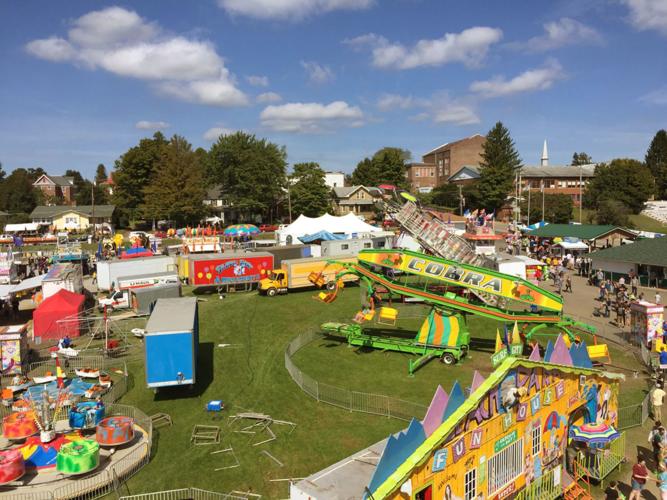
{"points": [[581, 199]]}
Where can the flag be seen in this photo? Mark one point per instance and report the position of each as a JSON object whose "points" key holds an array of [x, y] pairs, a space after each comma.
{"points": [[490, 216]]}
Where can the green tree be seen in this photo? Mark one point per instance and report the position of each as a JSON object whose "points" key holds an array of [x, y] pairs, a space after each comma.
{"points": [[386, 166], [365, 174], [625, 180], [390, 166], [134, 171], [101, 174], [309, 194], [446, 195], [656, 161], [176, 191], [581, 159], [17, 195], [2, 173], [252, 172], [500, 162], [613, 212], [557, 208]]}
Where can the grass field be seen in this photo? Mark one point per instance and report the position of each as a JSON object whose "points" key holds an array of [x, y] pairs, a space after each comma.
{"points": [[640, 222], [250, 375]]}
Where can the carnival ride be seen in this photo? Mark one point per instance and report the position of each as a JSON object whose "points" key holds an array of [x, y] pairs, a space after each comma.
{"points": [[454, 283]]}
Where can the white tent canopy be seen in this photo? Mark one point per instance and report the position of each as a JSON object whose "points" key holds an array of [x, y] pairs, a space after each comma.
{"points": [[349, 225], [26, 284], [15, 228]]}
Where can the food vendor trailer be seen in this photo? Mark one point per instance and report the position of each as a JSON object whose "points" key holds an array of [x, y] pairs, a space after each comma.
{"points": [[238, 270], [171, 343]]}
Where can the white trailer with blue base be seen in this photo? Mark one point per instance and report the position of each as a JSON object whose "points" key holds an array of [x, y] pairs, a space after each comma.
{"points": [[171, 343]]}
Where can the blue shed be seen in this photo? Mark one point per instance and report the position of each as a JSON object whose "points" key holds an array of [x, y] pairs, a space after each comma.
{"points": [[171, 343]]}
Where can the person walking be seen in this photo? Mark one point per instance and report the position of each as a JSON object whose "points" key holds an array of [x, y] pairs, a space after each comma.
{"points": [[568, 284], [657, 399], [662, 481], [634, 283], [657, 443], [638, 480]]}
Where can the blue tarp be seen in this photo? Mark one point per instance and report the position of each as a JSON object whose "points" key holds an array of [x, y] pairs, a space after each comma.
{"points": [[537, 225], [321, 235]]}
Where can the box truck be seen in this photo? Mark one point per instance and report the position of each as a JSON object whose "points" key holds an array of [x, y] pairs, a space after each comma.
{"points": [[142, 300], [284, 252], [108, 271], [146, 280], [229, 269], [171, 343], [294, 274]]}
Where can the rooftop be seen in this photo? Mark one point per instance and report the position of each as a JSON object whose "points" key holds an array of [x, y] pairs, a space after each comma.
{"points": [[581, 231], [559, 171], [345, 191], [58, 180], [650, 252], [450, 144], [48, 212]]}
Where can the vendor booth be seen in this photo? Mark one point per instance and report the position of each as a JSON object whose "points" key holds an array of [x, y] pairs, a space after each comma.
{"points": [[646, 321], [13, 348], [48, 318]]}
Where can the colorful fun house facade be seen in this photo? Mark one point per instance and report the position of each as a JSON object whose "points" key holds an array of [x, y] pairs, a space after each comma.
{"points": [[474, 448]]}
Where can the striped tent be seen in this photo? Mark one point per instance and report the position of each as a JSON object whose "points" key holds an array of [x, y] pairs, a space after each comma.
{"points": [[438, 330]]}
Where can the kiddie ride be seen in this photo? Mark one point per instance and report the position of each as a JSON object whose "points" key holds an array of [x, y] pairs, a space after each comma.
{"points": [[452, 289]]}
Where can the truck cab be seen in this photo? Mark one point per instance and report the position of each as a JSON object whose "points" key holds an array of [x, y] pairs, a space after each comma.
{"points": [[119, 299], [275, 283]]}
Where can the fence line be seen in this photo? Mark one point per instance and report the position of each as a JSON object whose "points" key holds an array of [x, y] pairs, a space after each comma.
{"points": [[184, 494], [376, 404]]}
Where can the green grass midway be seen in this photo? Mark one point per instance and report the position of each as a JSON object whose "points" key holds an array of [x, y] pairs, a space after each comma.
{"points": [[249, 375]]}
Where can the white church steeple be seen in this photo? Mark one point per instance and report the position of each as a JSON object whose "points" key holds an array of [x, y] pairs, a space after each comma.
{"points": [[545, 155]]}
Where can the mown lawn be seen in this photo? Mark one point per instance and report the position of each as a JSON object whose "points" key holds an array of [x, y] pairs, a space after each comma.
{"points": [[249, 375]]}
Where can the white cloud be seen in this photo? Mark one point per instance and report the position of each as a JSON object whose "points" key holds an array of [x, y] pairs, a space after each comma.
{"points": [[317, 73], [658, 96], [219, 92], [468, 47], [213, 133], [648, 14], [148, 125], [311, 117], [528, 81], [121, 42], [113, 25], [52, 49], [389, 102], [258, 81], [268, 97], [456, 113], [559, 33], [289, 9]]}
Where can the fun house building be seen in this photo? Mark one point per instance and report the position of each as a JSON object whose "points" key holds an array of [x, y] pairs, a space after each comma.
{"points": [[477, 447]]}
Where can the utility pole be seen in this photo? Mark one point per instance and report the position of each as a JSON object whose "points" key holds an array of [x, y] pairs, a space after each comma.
{"points": [[289, 203], [542, 184], [581, 199], [92, 202], [460, 200], [528, 221]]}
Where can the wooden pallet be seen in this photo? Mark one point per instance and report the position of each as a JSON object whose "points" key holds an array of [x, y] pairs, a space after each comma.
{"points": [[161, 420], [205, 434]]}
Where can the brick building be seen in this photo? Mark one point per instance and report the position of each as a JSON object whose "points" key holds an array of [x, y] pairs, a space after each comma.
{"points": [[58, 190], [570, 180], [444, 161]]}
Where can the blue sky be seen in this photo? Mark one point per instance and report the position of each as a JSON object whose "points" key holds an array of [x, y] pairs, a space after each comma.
{"points": [[332, 80]]}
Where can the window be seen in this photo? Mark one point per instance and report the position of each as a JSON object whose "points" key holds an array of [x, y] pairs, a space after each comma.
{"points": [[416, 172], [505, 466], [368, 245], [71, 220], [536, 436], [446, 161], [470, 485], [345, 246], [432, 173]]}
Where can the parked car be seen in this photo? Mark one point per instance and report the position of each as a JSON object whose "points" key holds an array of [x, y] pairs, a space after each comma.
{"points": [[268, 228]]}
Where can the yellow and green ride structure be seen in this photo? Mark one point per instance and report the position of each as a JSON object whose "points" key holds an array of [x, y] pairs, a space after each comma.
{"points": [[453, 290]]}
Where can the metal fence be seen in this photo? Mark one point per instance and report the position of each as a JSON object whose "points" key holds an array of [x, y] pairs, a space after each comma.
{"points": [[185, 494], [376, 404], [107, 480]]}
